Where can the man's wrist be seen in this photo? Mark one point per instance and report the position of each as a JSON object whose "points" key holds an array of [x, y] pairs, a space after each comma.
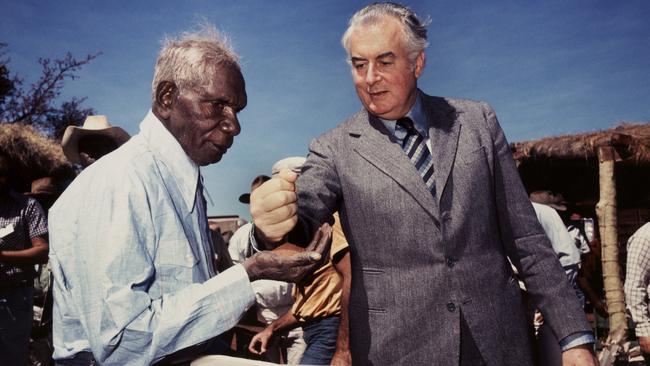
{"points": [[250, 270], [259, 241], [577, 339]]}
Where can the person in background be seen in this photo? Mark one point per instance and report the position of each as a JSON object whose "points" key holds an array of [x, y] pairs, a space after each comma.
{"points": [[319, 301], [96, 138], [131, 257], [545, 204], [45, 190], [320, 309], [23, 243], [637, 283], [273, 298]]}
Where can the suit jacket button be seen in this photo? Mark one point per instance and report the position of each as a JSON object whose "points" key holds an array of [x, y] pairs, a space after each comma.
{"points": [[451, 307]]}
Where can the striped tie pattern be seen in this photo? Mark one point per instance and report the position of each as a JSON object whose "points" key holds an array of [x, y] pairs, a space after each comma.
{"points": [[416, 149]]}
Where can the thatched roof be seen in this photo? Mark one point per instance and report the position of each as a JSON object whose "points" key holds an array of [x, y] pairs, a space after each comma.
{"points": [[632, 142], [34, 154]]}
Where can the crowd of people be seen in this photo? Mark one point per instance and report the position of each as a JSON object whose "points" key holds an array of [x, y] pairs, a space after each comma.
{"points": [[401, 239]]}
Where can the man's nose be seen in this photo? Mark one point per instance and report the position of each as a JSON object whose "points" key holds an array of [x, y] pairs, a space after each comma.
{"points": [[230, 123], [372, 76]]}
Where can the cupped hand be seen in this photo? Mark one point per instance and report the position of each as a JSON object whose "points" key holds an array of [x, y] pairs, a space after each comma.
{"points": [[268, 265]]}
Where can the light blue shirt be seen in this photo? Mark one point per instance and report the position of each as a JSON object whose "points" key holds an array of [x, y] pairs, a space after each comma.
{"points": [[420, 123], [133, 274]]}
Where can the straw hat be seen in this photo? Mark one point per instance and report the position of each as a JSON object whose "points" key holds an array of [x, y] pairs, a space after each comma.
{"points": [[93, 125]]}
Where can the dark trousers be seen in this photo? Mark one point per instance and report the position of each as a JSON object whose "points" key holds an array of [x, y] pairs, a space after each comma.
{"points": [[16, 316], [320, 337]]}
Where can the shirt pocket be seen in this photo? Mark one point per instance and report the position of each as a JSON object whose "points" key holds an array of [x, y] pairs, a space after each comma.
{"points": [[176, 264]]}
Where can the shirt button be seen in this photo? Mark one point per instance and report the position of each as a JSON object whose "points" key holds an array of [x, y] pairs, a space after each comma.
{"points": [[450, 262], [451, 307]]}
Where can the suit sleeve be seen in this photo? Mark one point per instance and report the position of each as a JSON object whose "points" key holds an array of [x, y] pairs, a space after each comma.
{"points": [[527, 245], [319, 191]]}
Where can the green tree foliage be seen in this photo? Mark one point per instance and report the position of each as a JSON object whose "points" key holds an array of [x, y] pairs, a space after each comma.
{"points": [[36, 105]]}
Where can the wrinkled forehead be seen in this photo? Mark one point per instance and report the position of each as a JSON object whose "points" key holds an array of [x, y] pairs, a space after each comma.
{"points": [[386, 35], [224, 78]]}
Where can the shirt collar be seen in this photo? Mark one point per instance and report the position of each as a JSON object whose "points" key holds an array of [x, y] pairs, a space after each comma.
{"points": [[416, 114], [166, 149]]}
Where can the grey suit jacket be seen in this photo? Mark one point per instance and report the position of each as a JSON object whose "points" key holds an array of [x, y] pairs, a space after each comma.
{"points": [[418, 262]]}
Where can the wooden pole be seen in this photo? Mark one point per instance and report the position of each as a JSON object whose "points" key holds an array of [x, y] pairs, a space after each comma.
{"points": [[607, 225]]}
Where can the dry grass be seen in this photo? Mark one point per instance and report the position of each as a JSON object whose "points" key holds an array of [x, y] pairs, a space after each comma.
{"points": [[631, 140], [34, 154]]}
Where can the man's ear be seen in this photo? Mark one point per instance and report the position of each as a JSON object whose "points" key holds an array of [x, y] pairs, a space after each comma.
{"points": [[420, 61], [165, 97]]}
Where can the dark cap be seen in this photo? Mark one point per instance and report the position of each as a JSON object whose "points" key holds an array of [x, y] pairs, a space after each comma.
{"points": [[257, 181]]}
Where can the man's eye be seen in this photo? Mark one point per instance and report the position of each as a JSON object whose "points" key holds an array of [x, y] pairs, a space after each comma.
{"points": [[359, 66], [386, 63]]}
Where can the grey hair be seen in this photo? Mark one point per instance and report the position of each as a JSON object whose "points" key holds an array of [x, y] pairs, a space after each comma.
{"points": [[415, 30], [186, 61]]}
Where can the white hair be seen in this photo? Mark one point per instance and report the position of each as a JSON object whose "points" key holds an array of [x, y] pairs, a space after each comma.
{"points": [[186, 61], [415, 31]]}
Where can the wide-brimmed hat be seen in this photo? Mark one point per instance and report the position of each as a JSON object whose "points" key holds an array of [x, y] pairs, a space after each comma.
{"points": [[293, 163], [246, 197], [555, 200], [93, 126], [43, 187]]}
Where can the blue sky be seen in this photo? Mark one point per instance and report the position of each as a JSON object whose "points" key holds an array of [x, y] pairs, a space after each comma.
{"points": [[548, 67]]}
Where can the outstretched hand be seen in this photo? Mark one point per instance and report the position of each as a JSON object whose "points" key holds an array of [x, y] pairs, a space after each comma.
{"points": [[269, 265]]}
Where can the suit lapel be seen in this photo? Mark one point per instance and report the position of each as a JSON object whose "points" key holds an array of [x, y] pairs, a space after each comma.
{"points": [[372, 142], [444, 129]]}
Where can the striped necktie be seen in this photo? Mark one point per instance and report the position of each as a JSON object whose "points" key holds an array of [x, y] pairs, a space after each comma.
{"points": [[416, 149]]}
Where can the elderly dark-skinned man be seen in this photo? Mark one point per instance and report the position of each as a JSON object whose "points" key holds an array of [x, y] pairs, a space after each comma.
{"points": [[134, 277], [433, 207]]}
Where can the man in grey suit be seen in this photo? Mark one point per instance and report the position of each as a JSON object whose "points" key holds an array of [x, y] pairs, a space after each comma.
{"points": [[433, 207]]}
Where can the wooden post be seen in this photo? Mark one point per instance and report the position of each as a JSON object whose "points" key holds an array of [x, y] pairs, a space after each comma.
{"points": [[607, 224]]}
